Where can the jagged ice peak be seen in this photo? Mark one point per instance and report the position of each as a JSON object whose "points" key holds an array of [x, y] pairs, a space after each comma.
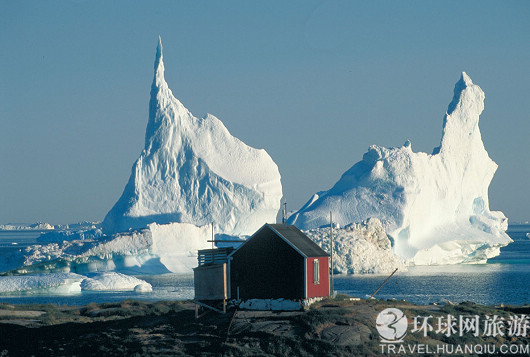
{"points": [[435, 206], [193, 171]]}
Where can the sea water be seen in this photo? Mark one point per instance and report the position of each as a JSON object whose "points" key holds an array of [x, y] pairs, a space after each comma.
{"points": [[504, 279]]}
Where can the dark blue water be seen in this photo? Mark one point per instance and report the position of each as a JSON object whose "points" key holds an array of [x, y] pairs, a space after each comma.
{"points": [[15, 240], [505, 279]]}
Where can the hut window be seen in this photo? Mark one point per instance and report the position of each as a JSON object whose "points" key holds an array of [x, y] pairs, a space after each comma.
{"points": [[316, 272]]}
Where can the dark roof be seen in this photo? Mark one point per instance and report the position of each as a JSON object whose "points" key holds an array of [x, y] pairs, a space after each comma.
{"points": [[299, 240]]}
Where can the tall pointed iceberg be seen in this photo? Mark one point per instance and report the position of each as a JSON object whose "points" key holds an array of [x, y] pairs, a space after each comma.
{"points": [[435, 206], [193, 171]]}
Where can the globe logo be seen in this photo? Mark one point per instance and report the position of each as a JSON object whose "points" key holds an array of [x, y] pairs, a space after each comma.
{"points": [[392, 325]]}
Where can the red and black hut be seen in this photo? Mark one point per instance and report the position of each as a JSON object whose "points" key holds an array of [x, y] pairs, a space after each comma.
{"points": [[278, 261]]}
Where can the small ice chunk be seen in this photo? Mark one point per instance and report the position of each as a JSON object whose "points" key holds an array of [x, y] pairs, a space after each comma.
{"points": [[68, 282], [111, 281]]}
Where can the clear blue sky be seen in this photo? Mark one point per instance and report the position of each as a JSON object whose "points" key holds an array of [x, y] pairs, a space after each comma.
{"points": [[313, 82]]}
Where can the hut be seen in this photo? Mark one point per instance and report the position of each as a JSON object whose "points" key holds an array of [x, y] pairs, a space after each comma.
{"points": [[278, 262]]}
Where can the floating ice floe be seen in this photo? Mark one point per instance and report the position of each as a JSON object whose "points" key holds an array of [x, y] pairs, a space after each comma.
{"points": [[70, 283], [61, 283], [155, 250], [112, 281]]}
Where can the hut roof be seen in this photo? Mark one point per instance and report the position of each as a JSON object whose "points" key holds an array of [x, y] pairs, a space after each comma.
{"points": [[298, 240]]}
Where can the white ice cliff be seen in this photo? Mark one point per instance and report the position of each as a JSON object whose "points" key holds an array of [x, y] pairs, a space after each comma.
{"points": [[359, 248], [193, 171], [434, 206], [156, 249]]}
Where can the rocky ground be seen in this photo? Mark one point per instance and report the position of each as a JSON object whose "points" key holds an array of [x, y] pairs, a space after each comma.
{"points": [[337, 327]]}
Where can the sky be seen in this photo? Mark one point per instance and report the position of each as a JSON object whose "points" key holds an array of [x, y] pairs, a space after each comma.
{"points": [[312, 82]]}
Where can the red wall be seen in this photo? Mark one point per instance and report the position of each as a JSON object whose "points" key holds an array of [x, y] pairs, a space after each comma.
{"points": [[321, 289]]}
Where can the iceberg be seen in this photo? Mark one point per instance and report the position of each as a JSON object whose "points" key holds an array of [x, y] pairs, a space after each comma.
{"points": [[434, 206], [192, 170], [71, 283], [111, 281], [38, 226], [60, 283], [157, 249], [359, 248], [191, 178]]}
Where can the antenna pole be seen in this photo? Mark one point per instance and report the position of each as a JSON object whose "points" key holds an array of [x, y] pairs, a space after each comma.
{"points": [[213, 237], [331, 288], [284, 213]]}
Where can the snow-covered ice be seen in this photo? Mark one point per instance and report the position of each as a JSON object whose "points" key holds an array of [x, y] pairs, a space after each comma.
{"points": [[434, 206], [61, 283], [359, 248], [70, 234], [71, 283], [177, 244], [155, 250], [43, 226], [163, 248], [193, 171], [111, 281], [21, 226]]}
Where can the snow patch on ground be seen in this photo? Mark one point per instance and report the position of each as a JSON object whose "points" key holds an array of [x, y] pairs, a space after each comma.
{"points": [[269, 305]]}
